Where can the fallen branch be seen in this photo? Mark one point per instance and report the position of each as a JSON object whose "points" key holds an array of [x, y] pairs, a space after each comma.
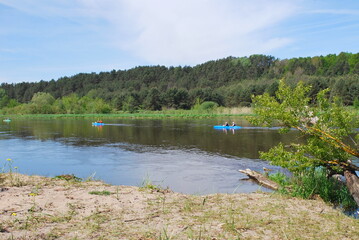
{"points": [[260, 178]]}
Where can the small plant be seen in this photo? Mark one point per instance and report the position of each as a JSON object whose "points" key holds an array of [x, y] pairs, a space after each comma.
{"points": [[283, 181], [9, 168], [2, 228], [147, 184], [230, 224], [151, 187], [68, 177], [117, 193], [280, 178], [91, 178], [102, 193], [33, 208], [188, 205], [165, 235]]}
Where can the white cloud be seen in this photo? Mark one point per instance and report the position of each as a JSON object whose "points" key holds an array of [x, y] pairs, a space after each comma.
{"points": [[189, 32], [177, 31]]}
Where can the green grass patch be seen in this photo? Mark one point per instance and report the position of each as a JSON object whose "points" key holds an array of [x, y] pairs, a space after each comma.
{"points": [[315, 182], [101, 193], [147, 184]]}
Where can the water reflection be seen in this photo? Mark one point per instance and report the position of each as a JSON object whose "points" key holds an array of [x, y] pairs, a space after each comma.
{"points": [[186, 155]]}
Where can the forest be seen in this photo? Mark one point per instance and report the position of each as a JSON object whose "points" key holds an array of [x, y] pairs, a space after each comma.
{"points": [[228, 82]]}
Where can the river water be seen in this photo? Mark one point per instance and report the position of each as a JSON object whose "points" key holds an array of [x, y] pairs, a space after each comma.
{"points": [[186, 155]]}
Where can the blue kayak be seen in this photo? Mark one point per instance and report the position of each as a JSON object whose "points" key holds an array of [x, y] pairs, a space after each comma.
{"points": [[97, 124], [226, 127]]}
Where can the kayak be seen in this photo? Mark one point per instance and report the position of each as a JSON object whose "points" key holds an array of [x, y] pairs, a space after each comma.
{"points": [[226, 127], [97, 124], [7, 120]]}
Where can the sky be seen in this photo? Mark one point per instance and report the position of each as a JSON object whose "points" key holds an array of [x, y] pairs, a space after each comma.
{"points": [[49, 39]]}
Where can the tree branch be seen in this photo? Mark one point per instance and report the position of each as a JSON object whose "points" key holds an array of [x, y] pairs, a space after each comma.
{"points": [[337, 143]]}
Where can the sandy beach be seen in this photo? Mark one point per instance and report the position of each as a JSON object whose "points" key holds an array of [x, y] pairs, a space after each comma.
{"points": [[34, 207]]}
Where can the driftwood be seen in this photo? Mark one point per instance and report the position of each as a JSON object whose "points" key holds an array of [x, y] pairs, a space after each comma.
{"points": [[260, 178]]}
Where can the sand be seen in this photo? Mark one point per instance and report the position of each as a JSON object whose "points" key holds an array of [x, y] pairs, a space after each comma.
{"points": [[34, 207]]}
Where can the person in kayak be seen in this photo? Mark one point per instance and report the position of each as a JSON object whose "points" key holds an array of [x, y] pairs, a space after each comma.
{"points": [[226, 124], [233, 124]]}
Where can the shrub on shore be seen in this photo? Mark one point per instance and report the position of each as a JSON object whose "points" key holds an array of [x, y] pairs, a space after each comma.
{"points": [[314, 182]]}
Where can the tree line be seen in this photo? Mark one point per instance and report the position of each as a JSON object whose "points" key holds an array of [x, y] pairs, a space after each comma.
{"points": [[226, 82]]}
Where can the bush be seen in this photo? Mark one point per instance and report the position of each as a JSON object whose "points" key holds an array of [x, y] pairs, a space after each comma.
{"points": [[206, 106], [209, 105], [315, 182]]}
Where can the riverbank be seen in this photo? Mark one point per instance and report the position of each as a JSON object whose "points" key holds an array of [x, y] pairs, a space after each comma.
{"points": [[34, 207], [169, 113]]}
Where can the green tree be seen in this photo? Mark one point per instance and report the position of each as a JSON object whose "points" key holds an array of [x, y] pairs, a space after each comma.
{"points": [[341, 65], [96, 105], [177, 98], [3, 98], [70, 104], [12, 103], [328, 128], [42, 98], [42, 102], [129, 105], [153, 100]]}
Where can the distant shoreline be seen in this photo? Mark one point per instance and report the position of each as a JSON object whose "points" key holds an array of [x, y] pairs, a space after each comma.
{"points": [[236, 112], [220, 112]]}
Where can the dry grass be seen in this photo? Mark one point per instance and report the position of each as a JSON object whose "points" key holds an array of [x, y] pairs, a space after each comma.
{"points": [[44, 208], [236, 111]]}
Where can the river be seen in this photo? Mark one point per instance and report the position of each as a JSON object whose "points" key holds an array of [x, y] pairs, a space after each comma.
{"points": [[186, 155]]}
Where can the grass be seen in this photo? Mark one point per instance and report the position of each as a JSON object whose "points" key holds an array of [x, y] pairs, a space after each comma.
{"points": [[313, 183], [169, 113], [100, 193], [166, 113], [69, 178], [147, 184]]}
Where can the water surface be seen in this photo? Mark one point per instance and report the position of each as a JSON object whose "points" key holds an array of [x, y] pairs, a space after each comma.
{"points": [[186, 155]]}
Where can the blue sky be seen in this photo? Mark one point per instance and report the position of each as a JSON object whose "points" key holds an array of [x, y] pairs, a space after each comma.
{"points": [[49, 39]]}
